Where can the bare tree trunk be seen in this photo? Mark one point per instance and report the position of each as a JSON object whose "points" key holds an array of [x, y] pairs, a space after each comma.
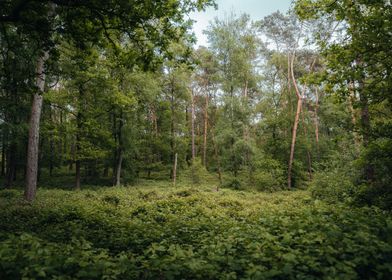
{"points": [[33, 142], [120, 151], [217, 158], [205, 131], [193, 126], [51, 146], [308, 154], [172, 129], [300, 97], [175, 170], [316, 122], [79, 126], [118, 169], [293, 140]]}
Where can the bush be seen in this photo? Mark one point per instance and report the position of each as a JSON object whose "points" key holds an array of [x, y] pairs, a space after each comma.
{"points": [[180, 233], [269, 174], [233, 183], [8, 193], [332, 186], [196, 174]]}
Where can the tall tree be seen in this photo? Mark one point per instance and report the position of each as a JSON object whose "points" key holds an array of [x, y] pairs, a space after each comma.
{"points": [[90, 21]]}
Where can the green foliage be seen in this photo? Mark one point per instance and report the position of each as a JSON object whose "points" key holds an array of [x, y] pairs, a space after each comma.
{"points": [[196, 173], [174, 233], [333, 186], [269, 174], [353, 65]]}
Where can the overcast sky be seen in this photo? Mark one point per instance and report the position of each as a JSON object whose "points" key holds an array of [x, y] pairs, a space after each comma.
{"points": [[257, 9]]}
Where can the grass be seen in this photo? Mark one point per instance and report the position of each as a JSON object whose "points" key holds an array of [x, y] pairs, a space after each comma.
{"points": [[156, 231]]}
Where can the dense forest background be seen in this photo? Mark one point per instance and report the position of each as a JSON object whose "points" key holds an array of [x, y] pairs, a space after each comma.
{"points": [[283, 102], [265, 155]]}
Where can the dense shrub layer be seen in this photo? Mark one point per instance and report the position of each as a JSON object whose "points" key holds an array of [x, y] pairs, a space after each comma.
{"points": [[192, 233]]}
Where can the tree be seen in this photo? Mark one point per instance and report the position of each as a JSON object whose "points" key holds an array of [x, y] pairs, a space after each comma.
{"points": [[360, 66], [90, 21]]}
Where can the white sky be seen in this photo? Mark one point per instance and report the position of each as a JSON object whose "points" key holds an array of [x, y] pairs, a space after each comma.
{"points": [[257, 9]]}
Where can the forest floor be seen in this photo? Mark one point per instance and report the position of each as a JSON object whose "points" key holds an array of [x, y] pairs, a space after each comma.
{"points": [[189, 232]]}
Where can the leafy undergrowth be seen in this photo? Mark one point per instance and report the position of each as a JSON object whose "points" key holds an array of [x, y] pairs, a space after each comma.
{"points": [[189, 233]]}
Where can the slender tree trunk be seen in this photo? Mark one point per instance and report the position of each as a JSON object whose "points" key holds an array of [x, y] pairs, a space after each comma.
{"points": [[51, 146], [293, 140], [79, 125], [316, 122], [300, 97], [193, 127], [175, 170], [11, 165], [205, 131], [217, 158], [3, 155], [77, 175], [105, 173], [120, 151], [118, 169], [33, 142], [40, 158], [308, 154], [51, 159]]}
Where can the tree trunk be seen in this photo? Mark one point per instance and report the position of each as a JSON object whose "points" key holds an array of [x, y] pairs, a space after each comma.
{"points": [[175, 170], [105, 173], [205, 131], [77, 175], [33, 142], [3, 153], [118, 169], [293, 140], [79, 125], [172, 129], [51, 146], [308, 154], [11, 165], [193, 126], [300, 97], [120, 152], [217, 158], [316, 122]]}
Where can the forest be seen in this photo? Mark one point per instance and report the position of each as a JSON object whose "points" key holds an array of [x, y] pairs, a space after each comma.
{"points": [[130, 152]]}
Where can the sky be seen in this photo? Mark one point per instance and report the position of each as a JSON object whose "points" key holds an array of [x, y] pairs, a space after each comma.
{"points": [[257, 9]]}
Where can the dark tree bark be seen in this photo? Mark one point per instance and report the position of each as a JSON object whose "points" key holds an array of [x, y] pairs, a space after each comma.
{"points": [[3, 153], [11, 165]]}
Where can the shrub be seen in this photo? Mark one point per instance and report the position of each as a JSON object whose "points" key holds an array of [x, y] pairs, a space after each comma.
{"points": [[332, 186], [180, 233], [196, 173], [269, 174], [233, 183], [111, 199]]}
